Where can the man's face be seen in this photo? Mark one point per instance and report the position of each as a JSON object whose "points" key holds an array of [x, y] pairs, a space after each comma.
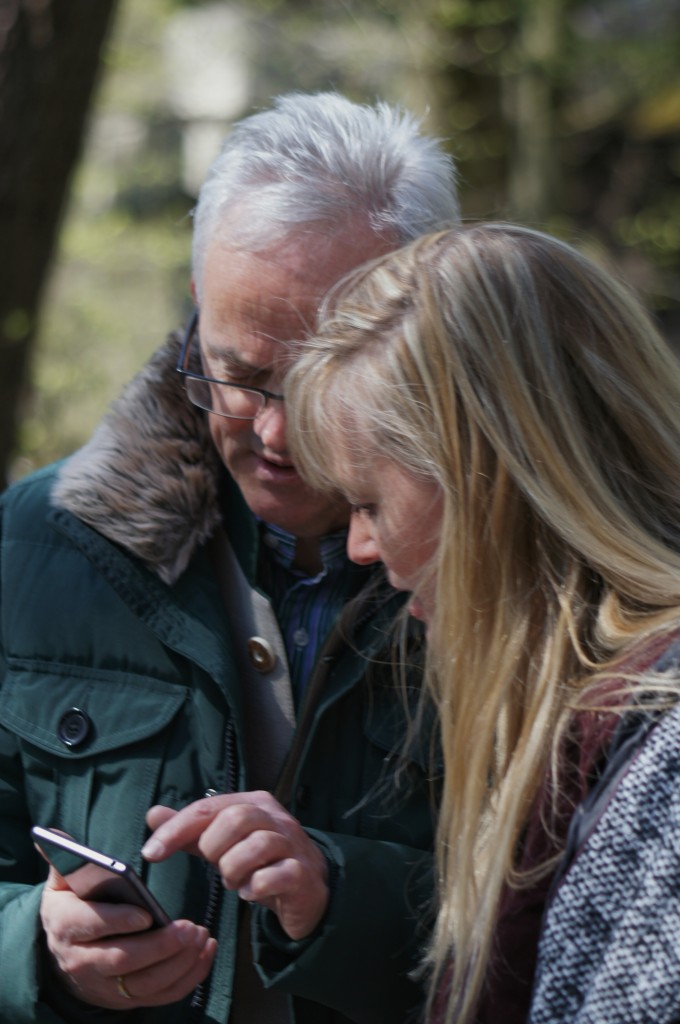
{"points": [[251, 307]]}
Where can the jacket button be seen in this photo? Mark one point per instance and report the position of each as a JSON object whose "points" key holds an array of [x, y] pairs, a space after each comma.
{"points": [[300, 638], [261, 654], [74, 727]]}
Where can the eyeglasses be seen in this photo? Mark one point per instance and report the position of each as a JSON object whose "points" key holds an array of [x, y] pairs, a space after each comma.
{"points": [[220, 397]]}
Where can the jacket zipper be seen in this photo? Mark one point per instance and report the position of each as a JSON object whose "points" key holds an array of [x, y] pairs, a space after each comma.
{"points": [[216, 890]]}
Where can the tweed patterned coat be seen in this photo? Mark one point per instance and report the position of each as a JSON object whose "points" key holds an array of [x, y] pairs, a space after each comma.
{"points": [[610, 946]]}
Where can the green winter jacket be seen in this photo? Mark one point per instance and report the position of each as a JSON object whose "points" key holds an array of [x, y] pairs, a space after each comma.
{"points": [[119, 689]]}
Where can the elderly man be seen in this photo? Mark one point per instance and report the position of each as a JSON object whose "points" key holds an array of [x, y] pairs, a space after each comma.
{"points": [[186, 646]]}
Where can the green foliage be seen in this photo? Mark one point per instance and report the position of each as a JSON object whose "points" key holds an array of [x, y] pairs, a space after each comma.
{"points": [[603, 74], [606, 75], [117, 281]]}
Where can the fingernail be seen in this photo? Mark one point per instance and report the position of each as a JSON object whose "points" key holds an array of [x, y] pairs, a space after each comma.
{"points": [[138, 919], [152, 849], [193, 936]]}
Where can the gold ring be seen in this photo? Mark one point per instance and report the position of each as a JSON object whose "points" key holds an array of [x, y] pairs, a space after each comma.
{"points": [[120, 982]]}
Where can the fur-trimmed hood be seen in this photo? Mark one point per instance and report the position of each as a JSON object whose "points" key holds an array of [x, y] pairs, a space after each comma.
{"points": [[148, 477]]}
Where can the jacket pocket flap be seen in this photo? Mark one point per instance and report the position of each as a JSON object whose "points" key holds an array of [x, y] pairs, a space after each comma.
{"points": [[81, 715]]}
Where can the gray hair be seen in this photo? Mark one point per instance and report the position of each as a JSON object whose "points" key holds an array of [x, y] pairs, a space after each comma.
{"points": [[315, 159]]}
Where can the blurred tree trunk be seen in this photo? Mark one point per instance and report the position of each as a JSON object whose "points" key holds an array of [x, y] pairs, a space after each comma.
{"points": [[49, 59], [534, 159]]}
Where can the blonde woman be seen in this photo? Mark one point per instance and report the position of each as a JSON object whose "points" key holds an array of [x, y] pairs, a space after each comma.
{"points": [[505, 420]]}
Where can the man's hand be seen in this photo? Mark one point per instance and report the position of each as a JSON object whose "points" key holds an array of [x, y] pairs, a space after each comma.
{"points": [[93, 945], [259, 849]]}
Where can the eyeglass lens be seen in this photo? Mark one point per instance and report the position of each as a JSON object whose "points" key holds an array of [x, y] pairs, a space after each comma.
{"points": [[225, 399]]}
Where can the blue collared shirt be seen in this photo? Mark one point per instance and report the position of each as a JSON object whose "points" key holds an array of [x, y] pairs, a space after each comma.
{"points": [[306, 607]]}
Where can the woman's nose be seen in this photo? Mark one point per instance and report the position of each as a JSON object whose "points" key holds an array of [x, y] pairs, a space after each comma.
{"points": [[361, 547]]}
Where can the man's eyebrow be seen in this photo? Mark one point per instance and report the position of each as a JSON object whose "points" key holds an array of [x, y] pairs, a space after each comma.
{"points": [[232, 358]]}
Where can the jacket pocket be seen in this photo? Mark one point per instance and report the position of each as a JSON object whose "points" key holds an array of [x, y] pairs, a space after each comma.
{"points": [[91, 744]]}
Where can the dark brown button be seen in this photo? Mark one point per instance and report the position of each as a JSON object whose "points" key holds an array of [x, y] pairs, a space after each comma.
{"points": [[261, 654]]}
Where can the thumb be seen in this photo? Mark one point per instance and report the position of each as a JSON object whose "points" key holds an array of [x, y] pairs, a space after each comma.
{"points": [[55, 880]]}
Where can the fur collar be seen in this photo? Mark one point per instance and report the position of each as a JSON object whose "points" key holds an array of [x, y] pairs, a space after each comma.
{"points": [[148, 477]]}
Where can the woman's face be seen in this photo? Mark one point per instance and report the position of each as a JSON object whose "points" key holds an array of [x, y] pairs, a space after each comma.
{"points": [[396, 519]]}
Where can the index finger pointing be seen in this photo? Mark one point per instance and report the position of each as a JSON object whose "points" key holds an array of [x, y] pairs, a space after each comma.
{"points": [[183, 830]]}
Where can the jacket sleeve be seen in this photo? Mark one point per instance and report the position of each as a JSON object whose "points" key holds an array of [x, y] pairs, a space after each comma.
{"points": [[361, 959], [20, 895], [19, 892], [25, 988], [609, 948]]}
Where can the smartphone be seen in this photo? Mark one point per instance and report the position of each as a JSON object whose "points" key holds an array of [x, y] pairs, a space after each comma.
{"points": [[95, 876]]}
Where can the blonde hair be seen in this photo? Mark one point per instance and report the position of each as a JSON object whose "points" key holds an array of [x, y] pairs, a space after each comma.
{"points": [[535, 389]]}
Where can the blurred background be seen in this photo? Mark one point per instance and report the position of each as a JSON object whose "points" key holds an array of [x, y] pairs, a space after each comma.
{"points": [[564, 114]]}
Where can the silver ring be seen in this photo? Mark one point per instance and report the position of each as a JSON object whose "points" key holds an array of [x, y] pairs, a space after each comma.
{"points": [[120, 982]]}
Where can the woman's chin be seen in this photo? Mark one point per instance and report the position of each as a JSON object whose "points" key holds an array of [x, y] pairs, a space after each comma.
{"points": [[415, 608]]}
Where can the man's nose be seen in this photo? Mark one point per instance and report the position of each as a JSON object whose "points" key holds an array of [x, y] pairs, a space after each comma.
{"points": [[361, 547], [270, 426]]}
